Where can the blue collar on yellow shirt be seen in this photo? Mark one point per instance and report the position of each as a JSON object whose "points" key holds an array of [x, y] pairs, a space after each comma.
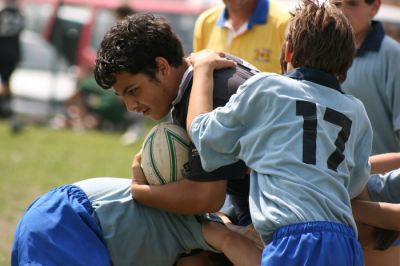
{"points": [[259, 16], [373, 41], [316, 76]]}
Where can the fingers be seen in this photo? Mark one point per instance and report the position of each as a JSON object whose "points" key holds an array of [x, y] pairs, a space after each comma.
{"points": [[210, 59], [137, 160], [253, 235], [137, 172]]}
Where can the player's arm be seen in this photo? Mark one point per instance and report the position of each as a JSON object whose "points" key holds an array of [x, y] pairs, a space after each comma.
{"points": [[184, 196], [247, 231], [385, 162], [201, 97], [378, 214], [237, 248]]}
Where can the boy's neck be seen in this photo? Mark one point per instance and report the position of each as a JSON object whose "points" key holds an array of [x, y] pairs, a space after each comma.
{"points": [[361, 35], [239, 17]]}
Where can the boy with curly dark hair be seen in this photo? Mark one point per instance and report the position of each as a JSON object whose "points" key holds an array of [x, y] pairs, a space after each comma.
{"points": [[142, 59]]}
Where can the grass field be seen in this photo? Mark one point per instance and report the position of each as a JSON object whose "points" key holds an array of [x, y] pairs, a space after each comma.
{"points": [[39, 159]]}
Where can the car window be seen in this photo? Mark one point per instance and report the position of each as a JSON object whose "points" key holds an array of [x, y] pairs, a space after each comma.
{"points": [[38, 54], [36, 15], [104, 20], [182, 25], [66, 30]]}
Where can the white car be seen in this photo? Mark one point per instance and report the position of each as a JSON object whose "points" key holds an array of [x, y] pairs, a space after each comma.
{"points": [[42, 82]]}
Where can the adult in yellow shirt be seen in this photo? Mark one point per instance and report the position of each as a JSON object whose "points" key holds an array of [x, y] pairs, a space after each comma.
{"points": [[250, 29]]}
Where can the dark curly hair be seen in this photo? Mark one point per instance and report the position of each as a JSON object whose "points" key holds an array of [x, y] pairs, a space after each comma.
{"points": [[132, 46], [321, 37]]}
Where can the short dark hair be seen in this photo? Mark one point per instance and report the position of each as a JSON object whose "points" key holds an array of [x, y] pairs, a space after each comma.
{"points": [[132, 46], [321, 37], [123, 11], [339, 2]]}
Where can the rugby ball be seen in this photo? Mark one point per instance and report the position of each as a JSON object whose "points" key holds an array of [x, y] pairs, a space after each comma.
{"points": [[165, 154]]}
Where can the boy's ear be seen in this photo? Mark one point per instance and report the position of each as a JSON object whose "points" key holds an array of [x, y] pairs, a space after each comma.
{"points": [[288, 53], [162, 66], [375, 8]]}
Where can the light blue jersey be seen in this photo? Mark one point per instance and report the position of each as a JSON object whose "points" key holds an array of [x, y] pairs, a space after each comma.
{"points": [[374, 78], [139, 235], [306, 142], [385, 187], [96, 222]]}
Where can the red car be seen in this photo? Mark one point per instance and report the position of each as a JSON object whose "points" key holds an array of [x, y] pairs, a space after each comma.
{"points": [[76, 27]]}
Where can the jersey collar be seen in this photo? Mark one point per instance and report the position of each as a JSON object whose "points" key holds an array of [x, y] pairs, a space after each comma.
{"points": [[187, 77], [259, 15], [372, 42], [315, 76]]}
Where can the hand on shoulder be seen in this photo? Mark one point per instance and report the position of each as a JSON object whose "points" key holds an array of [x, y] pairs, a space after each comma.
{"points": [[210, 60]]}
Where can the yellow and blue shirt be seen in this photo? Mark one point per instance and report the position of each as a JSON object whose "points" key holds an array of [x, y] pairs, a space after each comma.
{"points": [[259, 42]]}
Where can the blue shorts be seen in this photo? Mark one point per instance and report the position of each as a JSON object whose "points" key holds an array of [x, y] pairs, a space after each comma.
{"points": [[58, 229], [314, 243], [396, 243]]}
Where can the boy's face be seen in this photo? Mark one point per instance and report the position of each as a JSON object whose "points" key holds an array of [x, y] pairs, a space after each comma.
{"points": [[236, 5], [144, 95], [359, 13]]}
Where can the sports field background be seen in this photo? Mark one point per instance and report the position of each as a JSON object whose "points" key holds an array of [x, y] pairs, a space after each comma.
{"points": [[39, 159]]}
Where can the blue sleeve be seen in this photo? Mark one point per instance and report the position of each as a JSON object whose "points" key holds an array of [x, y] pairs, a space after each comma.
{"points": [[385, 188], [217, 134], [392, 79]]}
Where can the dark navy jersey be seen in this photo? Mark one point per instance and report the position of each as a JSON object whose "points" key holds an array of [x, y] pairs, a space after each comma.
{"points": [[226, 82]]}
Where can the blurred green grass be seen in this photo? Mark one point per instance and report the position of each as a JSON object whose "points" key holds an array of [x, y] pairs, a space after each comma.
{"points": [[39, 159]]}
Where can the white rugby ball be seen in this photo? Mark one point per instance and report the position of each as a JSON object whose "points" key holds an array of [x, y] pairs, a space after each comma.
{"points": [[165, 154]]}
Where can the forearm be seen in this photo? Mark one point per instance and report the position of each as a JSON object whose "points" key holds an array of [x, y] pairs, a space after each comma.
{"points": [[378, 214], [185, 196], [385, 162], [237, 248], [201, 96]]}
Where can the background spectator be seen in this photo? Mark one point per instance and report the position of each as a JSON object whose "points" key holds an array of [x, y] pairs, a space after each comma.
{"points": [[91, 107], [11, 25], [374, 76], [374, 79], [250, 29]]}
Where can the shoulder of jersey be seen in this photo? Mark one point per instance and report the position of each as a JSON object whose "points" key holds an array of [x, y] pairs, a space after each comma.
{"points": [[243, 63], [391, 45]]}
